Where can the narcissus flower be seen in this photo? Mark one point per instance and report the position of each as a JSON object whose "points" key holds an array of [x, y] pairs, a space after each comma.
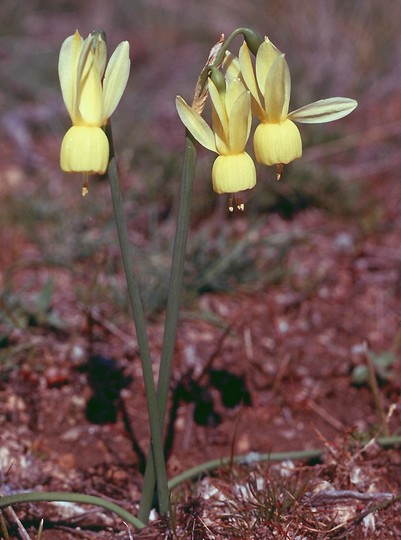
{"points": [[91, 92], [277, 139], [233, 170]]}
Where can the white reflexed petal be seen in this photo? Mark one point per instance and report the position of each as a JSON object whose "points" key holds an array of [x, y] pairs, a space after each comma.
{"points": [[89, 93], [277, 90], [231, 66], [219, 119], [115, 78], [240, 123], [67, 70], [218, 106], [195, 124], [249, 78], [89, 98], [100, 52], [220, 135], [234, 89], [85, 62], [324, 110], [266, 56]]}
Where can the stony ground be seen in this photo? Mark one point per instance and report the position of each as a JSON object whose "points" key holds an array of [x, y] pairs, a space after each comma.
{"points": [[277, 367], [289, 335]]}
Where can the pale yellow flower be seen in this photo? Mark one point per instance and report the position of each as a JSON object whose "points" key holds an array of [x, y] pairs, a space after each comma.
{"points": [[277, 139], [233, 169], [91, 92]]}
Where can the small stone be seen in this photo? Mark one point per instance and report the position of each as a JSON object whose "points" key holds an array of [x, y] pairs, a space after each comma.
{"points": [[66, 461]]}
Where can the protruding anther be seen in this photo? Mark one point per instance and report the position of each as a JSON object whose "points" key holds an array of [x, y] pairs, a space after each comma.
{"points": [[85, 186], [235, 202], [279, 171]]}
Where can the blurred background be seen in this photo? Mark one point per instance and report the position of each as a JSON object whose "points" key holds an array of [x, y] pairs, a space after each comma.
{"points": [[334, 48], [306, 275]]}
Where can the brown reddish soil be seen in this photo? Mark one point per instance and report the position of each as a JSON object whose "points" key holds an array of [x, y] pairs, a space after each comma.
{"points": [[260, 369]]}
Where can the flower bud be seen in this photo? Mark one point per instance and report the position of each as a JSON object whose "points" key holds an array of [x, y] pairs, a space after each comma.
{"points": [[219, 80]]}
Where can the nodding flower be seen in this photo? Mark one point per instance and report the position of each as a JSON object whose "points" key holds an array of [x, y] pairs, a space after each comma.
{"points": [[91, 92], [277, 139], [233, 169]]}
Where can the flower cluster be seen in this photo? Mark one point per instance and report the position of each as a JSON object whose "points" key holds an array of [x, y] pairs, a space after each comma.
{"points": [[265, 90], [91, 92]]}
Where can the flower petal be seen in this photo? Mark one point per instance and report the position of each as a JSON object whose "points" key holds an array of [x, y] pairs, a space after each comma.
{"points": [[195, 124], [235, 88], [115, 79], [67, 70], [249, 79], [218, 105], [240, 123], [99, 49], [266, 56], [85, 61], [324, 110], [89, 100], [277, 90], [231, 66], [219, 118]]}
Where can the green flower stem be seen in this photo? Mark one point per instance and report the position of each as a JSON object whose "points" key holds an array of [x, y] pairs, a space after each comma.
{"points": [[139, 319], [177, 270], [176, 279], [60, 496], [252, 457], [249, 35], [173, 303], [177, 274]]}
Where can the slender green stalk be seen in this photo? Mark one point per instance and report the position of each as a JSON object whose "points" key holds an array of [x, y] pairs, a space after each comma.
{"points": [[60, 496], [139, 320], [389, 442], [176, 277], [245, 459], [177, 268], [252, 457], [177, 274], [173, 303], [249, 35]]}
